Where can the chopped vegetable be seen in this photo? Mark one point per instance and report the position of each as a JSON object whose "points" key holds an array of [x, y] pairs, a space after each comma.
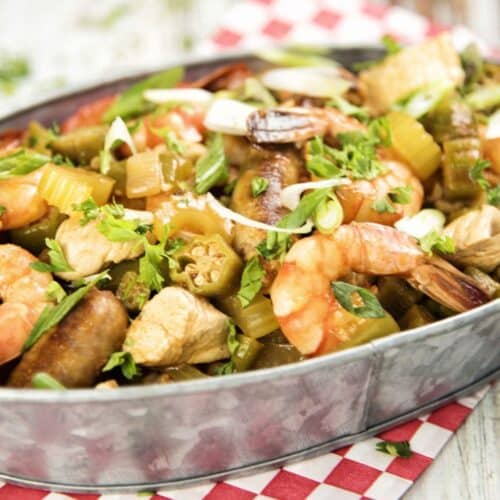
{"points": [[132, 291], [314, 81], [131, 102], [53, 315], [55, 292], [126, 362], [434, 241], [391, 45], [81, 145], [207, 266], [211, 169], [289, 57], [484, 97], [117, 134], [255, 320], [21, 163], [42, 380], [416, 316], [402, 73], [383, 205], [58, 262], [228, 116], [259, 186], [460, 157], [396, 295], [422, 223], [348, 108], [414, 144], [395, 448], [328, 215], [178, 96], [251, 281], [63, 187], [144, 175], [349, 296]]}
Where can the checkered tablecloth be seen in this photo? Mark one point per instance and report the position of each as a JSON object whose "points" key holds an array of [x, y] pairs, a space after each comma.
{"points": [[357, 471]]}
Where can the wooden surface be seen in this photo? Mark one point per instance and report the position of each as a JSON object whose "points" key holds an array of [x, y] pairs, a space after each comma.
{"points": [[469, 465]]}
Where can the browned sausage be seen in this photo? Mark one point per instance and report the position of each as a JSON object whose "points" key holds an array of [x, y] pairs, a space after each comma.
{"points": [[281, 167], [75, 352]]}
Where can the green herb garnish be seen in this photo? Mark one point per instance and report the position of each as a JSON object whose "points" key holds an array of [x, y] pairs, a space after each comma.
{"points": [[348, 108], [395, 448], [383, 205], [251, 281], [55, 291], [126, 363], [211, 168], [42, 380], [89, 209], [53, 315], [21, 163], [258, 186], [401, 195], [131, 102], [233, 345], [350, 295], [392, 46], [434, 241], [58, 262]]}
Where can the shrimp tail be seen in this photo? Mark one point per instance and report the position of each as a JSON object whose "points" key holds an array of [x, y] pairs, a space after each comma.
{"points": [[447, 285], [284, 125]]}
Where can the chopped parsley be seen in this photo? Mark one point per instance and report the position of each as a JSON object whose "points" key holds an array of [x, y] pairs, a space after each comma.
{"points": [[349, 296], [259, 186], [89, 209], [357, 157], [401, 195], [55, 292], [383, 205], [477, 174], [251, 281], [58, 262], [126, 362], [434, 241], [395, 448]]}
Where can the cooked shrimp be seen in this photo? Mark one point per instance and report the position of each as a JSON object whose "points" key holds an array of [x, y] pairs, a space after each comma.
{"points": [[22, 292], [357, 198], [283, 125], [19, 196], [306, 309]]}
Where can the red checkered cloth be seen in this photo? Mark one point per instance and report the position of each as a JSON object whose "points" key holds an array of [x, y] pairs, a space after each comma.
{"points": [[357, 471], [350, 473]]}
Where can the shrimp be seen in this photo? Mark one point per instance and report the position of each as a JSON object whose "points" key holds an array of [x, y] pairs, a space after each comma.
{"points": [[283, 125], [306, 309], [357, 198], [23, 296], [21, 200]]}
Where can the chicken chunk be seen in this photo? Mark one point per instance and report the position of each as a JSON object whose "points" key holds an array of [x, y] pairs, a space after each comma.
{"points": [[87, 250], [177, 327]]}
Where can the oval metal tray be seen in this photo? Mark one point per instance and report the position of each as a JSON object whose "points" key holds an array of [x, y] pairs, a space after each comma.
{"points": [[145, 437]]}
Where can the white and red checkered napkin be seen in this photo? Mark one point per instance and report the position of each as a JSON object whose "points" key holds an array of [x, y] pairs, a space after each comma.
{"points": [[357, 471], [350, 473]]}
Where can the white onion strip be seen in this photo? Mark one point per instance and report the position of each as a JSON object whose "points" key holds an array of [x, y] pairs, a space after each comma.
{"points": [[290, 196], [228, 116], [187, 95], [493, 129], [226, 213], [118, 132], [145, 216]]}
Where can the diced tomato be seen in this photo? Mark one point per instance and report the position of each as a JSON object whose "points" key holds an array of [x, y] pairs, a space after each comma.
{"points": [[186, 124], [88, 114], [9, 140]]}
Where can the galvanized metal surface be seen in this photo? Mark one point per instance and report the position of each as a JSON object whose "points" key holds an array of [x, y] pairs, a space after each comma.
{"points": [[142, 437]]}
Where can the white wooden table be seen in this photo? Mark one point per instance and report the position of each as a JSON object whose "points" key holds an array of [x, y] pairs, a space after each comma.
{"points": [[469, 465], [148, 33]]}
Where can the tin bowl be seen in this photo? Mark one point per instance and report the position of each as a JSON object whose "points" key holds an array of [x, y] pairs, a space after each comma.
{"points": [[146, 437]]}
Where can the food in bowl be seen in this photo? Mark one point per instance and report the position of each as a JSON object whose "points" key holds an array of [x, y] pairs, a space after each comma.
{"points": [[245, 220]]}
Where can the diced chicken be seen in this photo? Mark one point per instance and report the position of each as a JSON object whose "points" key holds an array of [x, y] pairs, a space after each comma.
{"points": [[87, 250], [433, 61], [177, 327]]}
